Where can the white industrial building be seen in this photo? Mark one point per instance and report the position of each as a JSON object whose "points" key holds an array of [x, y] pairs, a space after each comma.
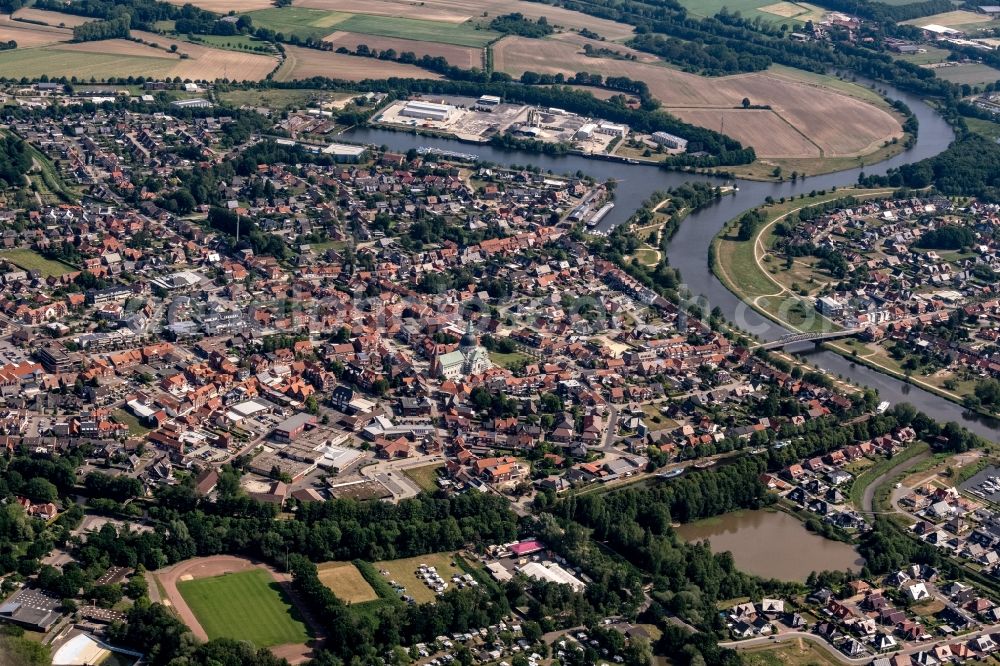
{"points": [[670, 141], [346, 152], [488, 102], [427, 111], [613, 129], [586, 131]]}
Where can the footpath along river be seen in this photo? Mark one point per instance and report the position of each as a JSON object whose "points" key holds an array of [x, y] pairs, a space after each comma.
{"points": [[688, 251]]}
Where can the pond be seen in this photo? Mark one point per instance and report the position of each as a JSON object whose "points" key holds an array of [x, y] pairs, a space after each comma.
{"points": [[772, 544]]}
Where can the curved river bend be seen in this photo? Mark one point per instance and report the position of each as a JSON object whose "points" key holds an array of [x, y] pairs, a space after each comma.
{"points": [[688, 250]]}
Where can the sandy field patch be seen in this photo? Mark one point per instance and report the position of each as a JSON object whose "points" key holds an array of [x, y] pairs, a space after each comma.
{"points": [[51, 18], [28, 35], [465, 57], [783, 9], [345, 581], [302, 63], [838, 124]]}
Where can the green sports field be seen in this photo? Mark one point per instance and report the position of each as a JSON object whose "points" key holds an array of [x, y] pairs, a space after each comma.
{"points": [[245, 606]]}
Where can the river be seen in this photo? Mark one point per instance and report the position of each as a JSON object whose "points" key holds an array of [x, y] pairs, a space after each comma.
{"points": [[688, 250], [772, 544]]}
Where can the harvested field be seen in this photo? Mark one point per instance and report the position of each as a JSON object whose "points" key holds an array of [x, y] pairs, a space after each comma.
{"points": [[465, 57], [28, 35], [51, 18], [119, 47], [459, 11], [837, 124], [346, 582], [55, 62], [206, 63], [621, 49], [122, 57], [752, 127], [302, 63]]}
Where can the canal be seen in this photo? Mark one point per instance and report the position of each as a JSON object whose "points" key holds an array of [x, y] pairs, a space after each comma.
{"points": [[688, 251], [772, 544]]}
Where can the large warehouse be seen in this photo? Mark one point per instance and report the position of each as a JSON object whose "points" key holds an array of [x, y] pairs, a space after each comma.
{"points": [[427, 111]]}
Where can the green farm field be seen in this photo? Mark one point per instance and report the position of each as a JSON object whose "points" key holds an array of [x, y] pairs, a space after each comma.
{"points": [[778, 11], [30, 260], [34, 63], [245, 606], [299, 21], [317, 24]]}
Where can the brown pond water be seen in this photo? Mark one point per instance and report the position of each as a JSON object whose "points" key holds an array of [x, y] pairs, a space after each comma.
{"points": [[772, 544]]}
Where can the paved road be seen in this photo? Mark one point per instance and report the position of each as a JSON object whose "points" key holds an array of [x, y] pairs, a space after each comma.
{"points": [[868, 499], [795, 636], [908, 649]]}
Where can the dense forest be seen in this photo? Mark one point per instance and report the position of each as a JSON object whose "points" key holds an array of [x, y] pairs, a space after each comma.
{"points": [[969, 167], [518, 24], [734, 41], [143, 14], [15, 161], [116, 28]]}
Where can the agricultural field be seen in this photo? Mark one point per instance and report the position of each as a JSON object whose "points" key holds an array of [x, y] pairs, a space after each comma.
{"points": [[303, 22], [29, 260], [302, 63], [122, 57], [245, 606], [29, 35], [971, 73], [460, 11], [958, 19], [226, 6], [232, 42], [781, 11], [460, 56], [316, 23], [765, 130], [57, 19], [987, 128], [403, 572], [812, 116], [931, 54], [346, 582]]}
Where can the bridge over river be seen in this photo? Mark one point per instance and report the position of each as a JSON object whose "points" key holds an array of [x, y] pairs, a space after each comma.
{"points": [[819, 336]]}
